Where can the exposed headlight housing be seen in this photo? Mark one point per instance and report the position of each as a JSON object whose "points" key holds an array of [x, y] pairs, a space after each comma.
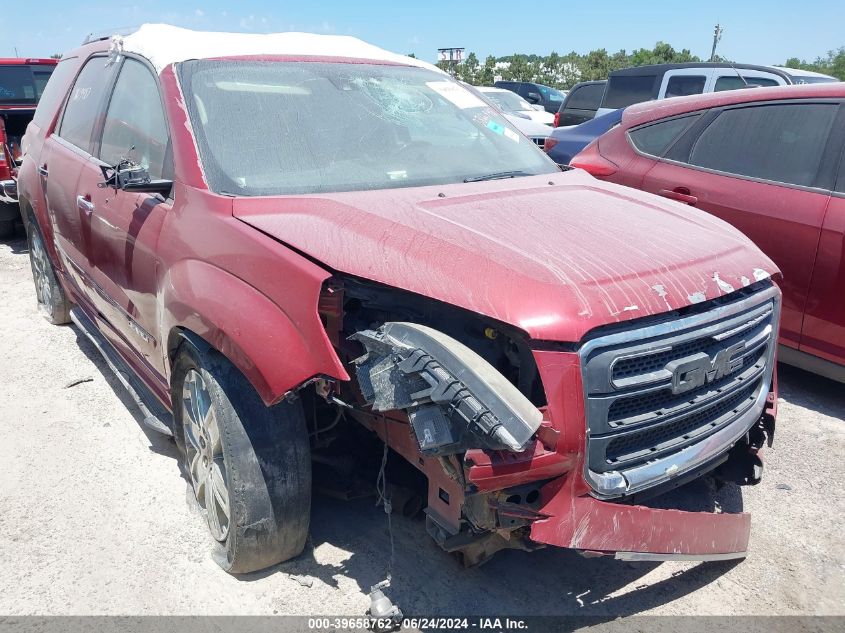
{"points": [[454, 398]]}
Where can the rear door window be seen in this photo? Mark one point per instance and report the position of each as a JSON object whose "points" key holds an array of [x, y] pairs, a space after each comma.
{"points": [[54, 91], [585, 97], [656, 138], [135, 127], [779, 142], [735, 83], [684, 85], [85, 103], [625, 90]]}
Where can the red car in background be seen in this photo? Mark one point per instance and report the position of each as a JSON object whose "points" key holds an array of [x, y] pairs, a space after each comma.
{"points": [[770, 162], [22, 81]]}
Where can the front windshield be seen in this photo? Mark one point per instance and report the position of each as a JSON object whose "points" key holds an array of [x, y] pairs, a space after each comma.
{"points": [[274, 128], [507, 101]]}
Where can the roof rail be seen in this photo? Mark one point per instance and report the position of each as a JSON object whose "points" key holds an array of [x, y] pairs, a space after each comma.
{"points": [[106, 34]]}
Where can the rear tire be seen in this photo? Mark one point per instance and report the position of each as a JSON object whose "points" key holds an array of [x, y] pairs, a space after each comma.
{"points": [[249, 465], [52, 303]]}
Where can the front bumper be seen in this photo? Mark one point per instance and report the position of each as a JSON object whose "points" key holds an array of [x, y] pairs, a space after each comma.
{"points": [[637, 532], [9, 191]]}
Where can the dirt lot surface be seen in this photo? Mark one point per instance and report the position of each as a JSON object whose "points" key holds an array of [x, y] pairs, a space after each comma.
{"points": [[95, 518]]}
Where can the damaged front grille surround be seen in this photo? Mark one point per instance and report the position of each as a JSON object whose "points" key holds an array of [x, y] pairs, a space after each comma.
{"points": [[666, 398], [454, 398]]}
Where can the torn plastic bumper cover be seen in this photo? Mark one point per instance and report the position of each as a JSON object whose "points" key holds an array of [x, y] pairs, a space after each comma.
{"points": [[454, 398]]}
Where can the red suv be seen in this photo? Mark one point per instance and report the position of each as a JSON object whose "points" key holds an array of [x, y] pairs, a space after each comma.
{"points": [[21, 83], [770, 162], [292, 246]]}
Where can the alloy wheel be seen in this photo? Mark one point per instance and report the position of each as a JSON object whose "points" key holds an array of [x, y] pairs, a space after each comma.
{"points": [[204, 454], [41, 272]]}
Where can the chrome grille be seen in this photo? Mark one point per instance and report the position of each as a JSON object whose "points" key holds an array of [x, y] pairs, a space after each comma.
{"points": [[665, 397]]}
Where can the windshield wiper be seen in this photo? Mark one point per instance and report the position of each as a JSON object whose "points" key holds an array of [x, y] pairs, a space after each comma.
{"points": [[497, 176]]}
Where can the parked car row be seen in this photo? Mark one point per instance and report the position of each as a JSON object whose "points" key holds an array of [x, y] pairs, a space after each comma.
{"points": [[390, 263], [628, 86]]}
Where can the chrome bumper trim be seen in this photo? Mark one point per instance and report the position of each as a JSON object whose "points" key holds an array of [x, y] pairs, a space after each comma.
{"points": [[651, 556], [659, 471]]}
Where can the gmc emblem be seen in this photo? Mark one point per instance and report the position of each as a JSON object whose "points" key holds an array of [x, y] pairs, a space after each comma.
{"points": [[697, 370]]}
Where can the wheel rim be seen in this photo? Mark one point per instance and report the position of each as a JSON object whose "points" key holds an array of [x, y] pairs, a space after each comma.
{"points": [[41, 271], [204, 454]]}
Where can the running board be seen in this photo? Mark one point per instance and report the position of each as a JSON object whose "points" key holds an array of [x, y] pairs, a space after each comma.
{"points": [[155, 415]]}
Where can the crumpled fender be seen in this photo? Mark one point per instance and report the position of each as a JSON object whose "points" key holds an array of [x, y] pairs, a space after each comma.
{"points": [[245, 326]]}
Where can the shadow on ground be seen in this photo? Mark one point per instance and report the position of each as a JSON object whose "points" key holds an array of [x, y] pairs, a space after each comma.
{"points": [[811, 391], [428, 581], [159, 443], [18, 242]]}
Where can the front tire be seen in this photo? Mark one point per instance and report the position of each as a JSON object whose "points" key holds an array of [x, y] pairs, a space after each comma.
{"points": [[249, 465], [52, 303]]}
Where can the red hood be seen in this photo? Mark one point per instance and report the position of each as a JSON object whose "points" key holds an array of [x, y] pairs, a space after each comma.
{"points": [[554, 260]]}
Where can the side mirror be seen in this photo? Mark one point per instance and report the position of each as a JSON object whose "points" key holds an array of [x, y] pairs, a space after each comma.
{"points": [[534, 97], [129, 176]]}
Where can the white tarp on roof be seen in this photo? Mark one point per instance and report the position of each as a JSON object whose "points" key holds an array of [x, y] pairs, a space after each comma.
{"points": [[164, 44]]}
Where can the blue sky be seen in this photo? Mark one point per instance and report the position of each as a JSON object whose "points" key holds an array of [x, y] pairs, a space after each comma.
{"points": [[755, 31]]}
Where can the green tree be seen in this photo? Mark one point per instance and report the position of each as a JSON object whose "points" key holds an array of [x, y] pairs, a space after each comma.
{"points": [[519, 69], [468, 71], [487, 74], [833, 64]]}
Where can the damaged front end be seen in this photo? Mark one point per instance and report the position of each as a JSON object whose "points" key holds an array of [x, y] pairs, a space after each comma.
{"points": [[455, 400], [524, 445]]}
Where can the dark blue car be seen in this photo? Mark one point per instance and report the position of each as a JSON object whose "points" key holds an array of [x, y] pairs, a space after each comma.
{"points": [[564, 143]]}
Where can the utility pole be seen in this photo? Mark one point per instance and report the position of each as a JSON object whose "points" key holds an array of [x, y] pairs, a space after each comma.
{"points": [[717, 36]]}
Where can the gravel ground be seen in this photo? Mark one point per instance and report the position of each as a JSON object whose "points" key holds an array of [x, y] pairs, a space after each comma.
{"points": [[95, 517]]}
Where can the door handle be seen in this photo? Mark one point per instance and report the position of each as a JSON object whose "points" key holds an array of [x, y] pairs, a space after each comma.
{"points": [[43, 170], [681, 194], [84, 205]]}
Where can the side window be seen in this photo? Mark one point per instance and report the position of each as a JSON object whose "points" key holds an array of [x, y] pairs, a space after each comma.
{"points": [[782, 143], [135, 126], [84, 103], [54, 91], [733, 82], [586, 97], [625, 90], [656, 138], [683, 85]]}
